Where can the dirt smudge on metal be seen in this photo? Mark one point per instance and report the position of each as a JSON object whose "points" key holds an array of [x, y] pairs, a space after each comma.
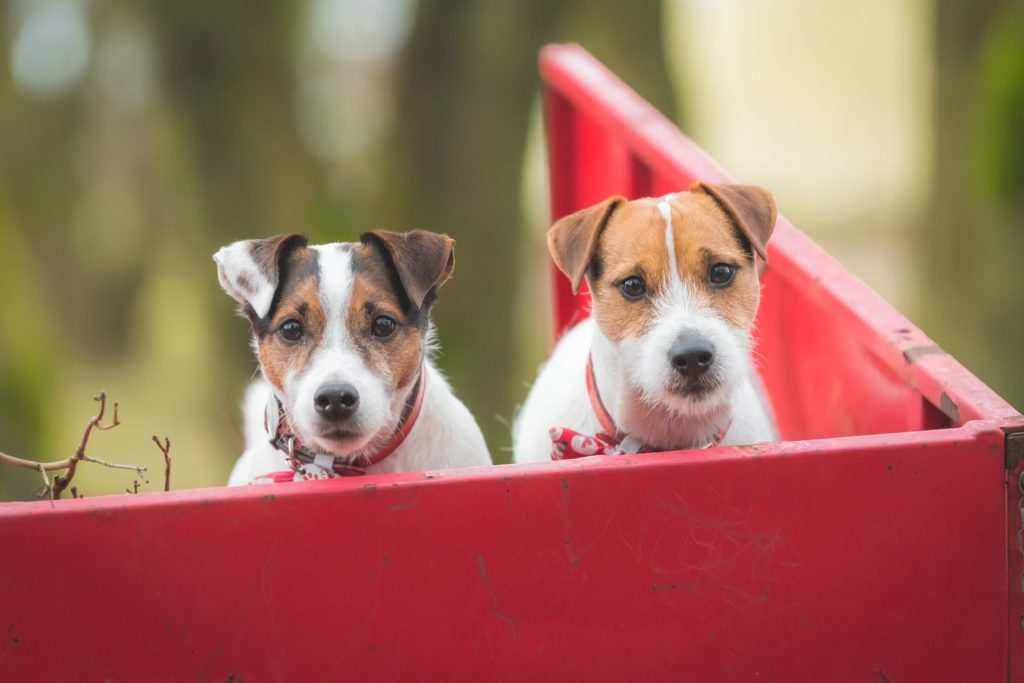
{"points": [[688, 586], [485, 581], [949, 408], [915, 353]]}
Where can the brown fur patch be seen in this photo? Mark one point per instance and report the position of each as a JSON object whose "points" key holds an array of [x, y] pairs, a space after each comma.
{"points": [[297, 299], [705, 235], [244, 282], [375, 293], [633, 244]]}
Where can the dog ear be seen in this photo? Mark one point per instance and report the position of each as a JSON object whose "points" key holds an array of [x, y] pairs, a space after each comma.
{"points": [[573, 239], [751, 208], [422, 260], [249, 271]]}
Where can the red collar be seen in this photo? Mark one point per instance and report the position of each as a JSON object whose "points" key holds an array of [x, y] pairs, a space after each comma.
{"points": [[608, 428], [302, 457], [611, 433]]}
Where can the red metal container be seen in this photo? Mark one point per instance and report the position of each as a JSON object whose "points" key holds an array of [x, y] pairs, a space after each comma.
{"points": [[879, 542]]}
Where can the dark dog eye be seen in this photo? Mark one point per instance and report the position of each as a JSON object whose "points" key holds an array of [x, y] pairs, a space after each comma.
{"points": [[721, 274], [633, 288], [383, 326], [291, 330]]}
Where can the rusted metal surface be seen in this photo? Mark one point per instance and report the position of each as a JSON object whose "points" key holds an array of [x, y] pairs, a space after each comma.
{"points": [[1014, 464], [1014, 449], [912, 354]]}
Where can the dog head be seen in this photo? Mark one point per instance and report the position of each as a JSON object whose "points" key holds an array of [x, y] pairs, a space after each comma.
{"points": [[340, 329], [675, 287]]}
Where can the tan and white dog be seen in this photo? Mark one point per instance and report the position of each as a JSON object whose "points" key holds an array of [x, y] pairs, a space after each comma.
{"points": [[343, 336], [675, 287]]}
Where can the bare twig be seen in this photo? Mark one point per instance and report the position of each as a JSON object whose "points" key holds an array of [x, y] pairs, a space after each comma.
{"points": [[70, 465], [165, 448], [47, 488]]}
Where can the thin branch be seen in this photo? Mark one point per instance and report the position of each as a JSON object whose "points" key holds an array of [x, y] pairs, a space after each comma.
{"points": [[165, 448], [70, 465], [113, 465], [61, 482], [33, 465], [47, 486]]}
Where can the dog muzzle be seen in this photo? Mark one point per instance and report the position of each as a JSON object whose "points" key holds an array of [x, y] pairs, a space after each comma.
{"points": [[307, 463], [567, 444]]}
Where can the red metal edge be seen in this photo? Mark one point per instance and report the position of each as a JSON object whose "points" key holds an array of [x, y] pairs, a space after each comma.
{"points": [[560, 150], [354, 485], [586, 83]]}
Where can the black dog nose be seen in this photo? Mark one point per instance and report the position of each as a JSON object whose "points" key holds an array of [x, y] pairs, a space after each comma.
{"points": [[336, 401], [692, 356]]}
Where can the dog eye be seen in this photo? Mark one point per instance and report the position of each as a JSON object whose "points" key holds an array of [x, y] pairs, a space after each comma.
{"points": [[292, 330], [721, 274], [383, 326], [633, 288]]}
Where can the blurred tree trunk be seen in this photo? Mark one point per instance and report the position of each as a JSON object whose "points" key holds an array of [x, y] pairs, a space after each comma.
{"points": [[973, 245], [230, 76], [230, 73], [46, 168], [40, 183], [467, 82]]}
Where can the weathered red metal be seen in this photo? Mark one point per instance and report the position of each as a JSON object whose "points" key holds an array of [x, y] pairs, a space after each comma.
{"points": [[872, 545]]}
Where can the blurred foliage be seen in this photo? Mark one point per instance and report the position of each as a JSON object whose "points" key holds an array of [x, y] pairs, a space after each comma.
{"points": [[29, 362], [999, 149], [973, 243], [136, 138], [190, 126]]}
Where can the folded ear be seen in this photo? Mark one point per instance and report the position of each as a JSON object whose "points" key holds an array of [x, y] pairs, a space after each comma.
{"points": [[422, 260], [572, 240], [250, 270], [751, 208]]}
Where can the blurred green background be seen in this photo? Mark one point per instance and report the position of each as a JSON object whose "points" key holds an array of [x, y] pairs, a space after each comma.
{"points": [[136, 137]]}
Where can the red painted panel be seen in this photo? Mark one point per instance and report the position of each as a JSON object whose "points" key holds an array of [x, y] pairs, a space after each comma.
{"points": [[794, 562]]}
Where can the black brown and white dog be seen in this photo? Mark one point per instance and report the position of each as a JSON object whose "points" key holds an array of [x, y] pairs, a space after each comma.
{"points": [[343, 336], [664, 361]]}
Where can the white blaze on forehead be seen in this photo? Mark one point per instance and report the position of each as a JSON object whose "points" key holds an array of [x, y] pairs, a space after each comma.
{"points": [[665, 207], [337, 358], [335, 261]]}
